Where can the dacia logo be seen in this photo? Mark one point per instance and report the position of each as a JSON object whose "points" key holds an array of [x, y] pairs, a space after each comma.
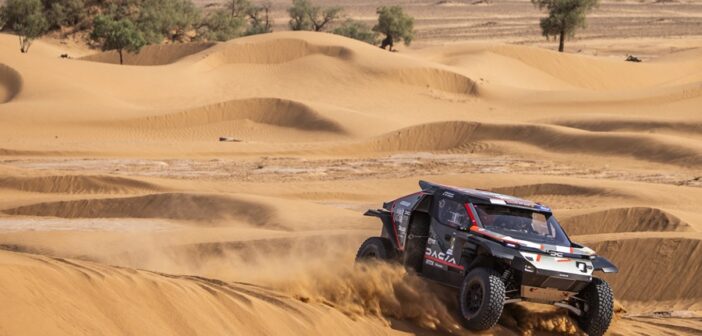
{"points": [[440, 255], [556, 254]]}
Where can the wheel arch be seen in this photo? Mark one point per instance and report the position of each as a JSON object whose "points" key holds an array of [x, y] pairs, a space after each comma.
{"points": [[387, 230]]}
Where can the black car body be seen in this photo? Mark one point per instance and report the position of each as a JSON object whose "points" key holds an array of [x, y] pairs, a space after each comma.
{"points": [[444, 233]]}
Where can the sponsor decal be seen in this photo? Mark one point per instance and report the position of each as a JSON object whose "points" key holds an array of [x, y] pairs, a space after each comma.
{"points": [[582, 267], [448, 194], [405, 203], [398, 215], [521, 202], [498, 201], [440, 255], [555, 254], [456, 218]]}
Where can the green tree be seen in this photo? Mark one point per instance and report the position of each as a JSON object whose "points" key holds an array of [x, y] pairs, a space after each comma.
{"points": [[26, 19], [260, 20], [238, 8], [171, 19], [121, 9], [395, 25], [117, 35], [65, 12], [564, 17], [298, 15], [220, 25], [356, 30], [306, 16]]}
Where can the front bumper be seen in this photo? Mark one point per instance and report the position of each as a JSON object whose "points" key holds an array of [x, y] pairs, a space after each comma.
{"points": [[533, 276]]}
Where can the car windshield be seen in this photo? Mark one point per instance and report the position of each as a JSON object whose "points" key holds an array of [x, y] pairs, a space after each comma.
{"points": [[522, 224]]}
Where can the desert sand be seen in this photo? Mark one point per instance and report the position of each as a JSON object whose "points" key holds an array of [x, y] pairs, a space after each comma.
{"points": [[122, 213]]}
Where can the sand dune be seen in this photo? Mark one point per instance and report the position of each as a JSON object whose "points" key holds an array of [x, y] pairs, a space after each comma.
{"points": [[272, 111], [193, 305], [634, 125], [660, 270], [438, 79], [535, 190], [359, 57], [161, 54], [453, 135], [623, 220], [10, 83], [76, 184], [549, 69], [169, 206], [269, 51], [180, 305]]}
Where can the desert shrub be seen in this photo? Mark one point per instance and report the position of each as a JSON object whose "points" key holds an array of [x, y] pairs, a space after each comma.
{"points": [[26, 18], [395, 25], [121, 35], [170, 19], [306, 16], [238, 8], [220, 25], [260, 20], [63, 13], [564, 17], [356, 30]]}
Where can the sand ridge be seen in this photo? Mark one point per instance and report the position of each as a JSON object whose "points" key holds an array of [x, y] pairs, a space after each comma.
{"points": [[10, 83]]}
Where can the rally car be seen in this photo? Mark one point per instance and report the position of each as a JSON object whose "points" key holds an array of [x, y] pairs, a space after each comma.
{"points": [[496, 250]]}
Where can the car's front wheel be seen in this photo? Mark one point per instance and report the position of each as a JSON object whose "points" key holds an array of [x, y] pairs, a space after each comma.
{"points": [[597, 307], [378, 248], [481, 299]]}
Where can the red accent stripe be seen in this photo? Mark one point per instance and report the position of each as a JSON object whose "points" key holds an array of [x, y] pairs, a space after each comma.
{"points": [[488, 234], [473, 222], [563, 260], [538, 257], [571, 249], [542, 247], [444, 262]]}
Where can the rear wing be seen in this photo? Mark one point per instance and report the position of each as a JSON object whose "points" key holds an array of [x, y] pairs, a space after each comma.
{"points": [[377, 212], [425, 185]]}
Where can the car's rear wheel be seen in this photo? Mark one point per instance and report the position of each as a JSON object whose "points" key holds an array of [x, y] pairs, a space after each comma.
{"points": [[597, 307], [378, 248], [481, 299]]}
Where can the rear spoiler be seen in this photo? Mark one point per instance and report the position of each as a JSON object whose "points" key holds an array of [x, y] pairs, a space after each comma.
{"points": [[424, 185], [376, 212]]}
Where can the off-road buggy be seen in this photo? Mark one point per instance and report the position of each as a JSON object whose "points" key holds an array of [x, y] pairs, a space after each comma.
{"points": [[496, 250]]}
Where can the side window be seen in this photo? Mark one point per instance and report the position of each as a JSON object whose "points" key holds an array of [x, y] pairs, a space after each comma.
{"points": [[452, 213]]}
